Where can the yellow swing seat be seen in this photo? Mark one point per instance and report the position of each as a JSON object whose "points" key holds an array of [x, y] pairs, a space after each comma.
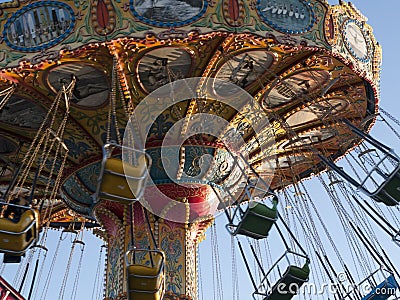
{"points": [[121, 181], [16, 238], [146, 280]]}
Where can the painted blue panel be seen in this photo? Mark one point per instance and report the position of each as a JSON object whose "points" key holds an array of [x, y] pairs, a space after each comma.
{"points": [[89, 176], [76, 192], [193, 161], [168, 13], [289, 16], [216, 164], [38, 26], [384, 290]]}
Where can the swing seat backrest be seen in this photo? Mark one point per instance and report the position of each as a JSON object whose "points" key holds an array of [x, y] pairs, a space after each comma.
{"points": [[16, 238], [257, 220], [114, 180], [383, 290], [389, 192], [146, 281], [289, 284]]}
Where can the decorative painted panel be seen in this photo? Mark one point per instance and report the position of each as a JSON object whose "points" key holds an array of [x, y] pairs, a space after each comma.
{"points": [[92, 86], [289, 16], [168, 13], [172, 242], [89, 176], [104, 16], [7, 146], [39, 26], [284, 91], [162, 66], [308, 138], [76, 191], [23, 113], [246, 68]]}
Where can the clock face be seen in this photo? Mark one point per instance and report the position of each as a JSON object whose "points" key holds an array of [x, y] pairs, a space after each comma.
{"points": [[355, 40]]}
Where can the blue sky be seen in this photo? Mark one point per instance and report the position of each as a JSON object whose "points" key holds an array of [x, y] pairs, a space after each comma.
{"points": [[384, 16]]}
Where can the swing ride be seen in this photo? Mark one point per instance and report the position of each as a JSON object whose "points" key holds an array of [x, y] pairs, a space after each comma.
{"points": [[141, 122]]}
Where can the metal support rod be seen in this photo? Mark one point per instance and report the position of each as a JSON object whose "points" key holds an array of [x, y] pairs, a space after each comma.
{"points": [[390, 262], [374, 253], [13, 181], [23, 278], [352, 281], [371, 216], [329, 275], [291, 234], [33, 279], [257, 260], [247, 266], [378, 215], [151, 231], [223, 203], [33, 186]]}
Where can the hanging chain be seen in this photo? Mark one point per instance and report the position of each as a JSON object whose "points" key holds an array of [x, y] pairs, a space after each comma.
{"points": [[110, 101], [397, 122], [67, 269], [7, 93], [51, 269], [235, 278], [112, 119], [46, 147], [41, 271], [67, 91], [76, 281], [96, 277], [344, 219], [200, 291], [360, 215], [77, 240], [218, 290], [310, 236]]}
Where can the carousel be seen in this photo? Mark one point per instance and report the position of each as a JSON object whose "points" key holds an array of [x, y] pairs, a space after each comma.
{"points": [[142, 120]]}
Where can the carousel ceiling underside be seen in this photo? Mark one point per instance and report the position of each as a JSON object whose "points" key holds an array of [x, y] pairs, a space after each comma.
{"points": [[305, 76]]}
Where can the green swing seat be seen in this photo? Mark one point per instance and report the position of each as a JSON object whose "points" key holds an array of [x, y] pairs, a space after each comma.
{"points": [[389, 191], [257, 220], [289, 284]]}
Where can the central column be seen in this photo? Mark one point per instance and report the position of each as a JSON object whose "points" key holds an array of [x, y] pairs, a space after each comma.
{"points": [[178, 241]]}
